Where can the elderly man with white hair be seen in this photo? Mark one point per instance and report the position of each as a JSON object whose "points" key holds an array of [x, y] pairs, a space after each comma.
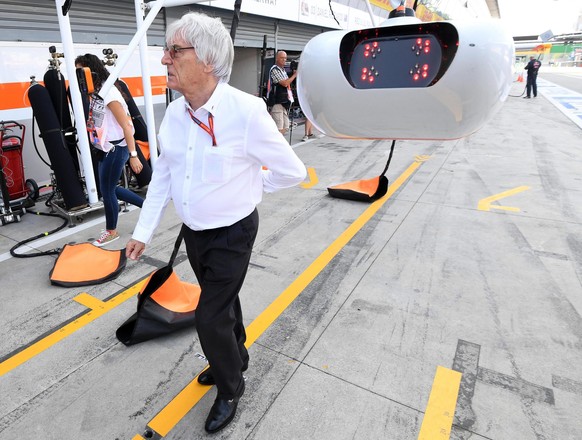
{"points": [[219, 151]]}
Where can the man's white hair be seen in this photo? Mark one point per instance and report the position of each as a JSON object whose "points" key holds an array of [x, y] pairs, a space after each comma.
{"points": [[210, 39]]}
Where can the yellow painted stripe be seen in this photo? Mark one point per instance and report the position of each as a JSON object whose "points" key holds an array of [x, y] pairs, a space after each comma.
{"points": [[313, 180], [98, 308], [485, 204], [440, 410], [89, 301], [179, 406], [268, 316]]}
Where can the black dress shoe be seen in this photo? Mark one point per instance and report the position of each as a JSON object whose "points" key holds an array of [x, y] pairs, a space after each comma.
{"points": [[206, 378], [223, 411]]}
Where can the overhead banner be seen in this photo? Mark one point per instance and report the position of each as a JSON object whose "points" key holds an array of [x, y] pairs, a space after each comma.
{"points": [[313, 12], [287, 9], [424, 12], [387, 4], [319, 13]]}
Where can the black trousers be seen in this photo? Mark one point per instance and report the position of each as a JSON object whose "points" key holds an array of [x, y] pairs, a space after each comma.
{"points": [[220, 259], [530, 84]]}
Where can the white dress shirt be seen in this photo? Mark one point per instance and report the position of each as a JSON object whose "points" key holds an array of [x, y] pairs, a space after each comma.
{"points": [[215, 186]]}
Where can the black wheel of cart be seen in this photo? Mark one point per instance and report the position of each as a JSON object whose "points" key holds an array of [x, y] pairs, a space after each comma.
{"points": [[32, 189]]}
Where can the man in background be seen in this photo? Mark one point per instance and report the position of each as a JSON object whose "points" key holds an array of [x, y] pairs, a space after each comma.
{"points": [[281, 88], [532, 76]]}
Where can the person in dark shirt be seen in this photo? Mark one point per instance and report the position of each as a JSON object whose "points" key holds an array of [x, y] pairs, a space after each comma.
{"points": [[532, 75]]}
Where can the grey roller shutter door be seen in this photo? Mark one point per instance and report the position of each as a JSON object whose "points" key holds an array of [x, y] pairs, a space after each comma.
{"points": [[294, 36], [102, 22]]}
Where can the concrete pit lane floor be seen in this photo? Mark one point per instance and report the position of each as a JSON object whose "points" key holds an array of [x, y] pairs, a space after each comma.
{"points": [[450, 308]]}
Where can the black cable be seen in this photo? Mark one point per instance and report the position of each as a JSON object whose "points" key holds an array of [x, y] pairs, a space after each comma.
{"points": [[44, 234], [333, 15], [518, 96], [389, 157], [50, 197]]}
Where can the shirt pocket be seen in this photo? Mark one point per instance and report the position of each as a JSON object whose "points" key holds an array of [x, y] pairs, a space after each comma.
{"points": [[216, 165]]}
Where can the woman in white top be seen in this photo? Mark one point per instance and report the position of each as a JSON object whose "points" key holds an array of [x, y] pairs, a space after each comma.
{"points": [[114, 130]]}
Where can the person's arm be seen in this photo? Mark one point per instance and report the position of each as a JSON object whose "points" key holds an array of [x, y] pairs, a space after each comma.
{"points": [[124, 122], [158, 197], [277, 77], [287, 82], [268, 147]]}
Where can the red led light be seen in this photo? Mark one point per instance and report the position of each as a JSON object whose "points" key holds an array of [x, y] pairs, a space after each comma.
{"points": [[419, 41], [424, 74], [363, 77], [426, 49], [425, 67], [427, 42], [415, 77], [367, 46], [366, 54], [375, 44], [371, 79], [364, 69]]}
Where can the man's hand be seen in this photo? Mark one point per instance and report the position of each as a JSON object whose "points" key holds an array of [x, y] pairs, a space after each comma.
{"points": [[134, 249]]}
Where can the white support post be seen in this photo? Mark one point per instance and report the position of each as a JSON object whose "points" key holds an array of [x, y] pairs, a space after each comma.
{"points": [[69, 51], [370, 12], [123, 60], [147, 85], [76, 99]]}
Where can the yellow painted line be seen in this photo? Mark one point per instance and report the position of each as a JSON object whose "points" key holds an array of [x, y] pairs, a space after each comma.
{"points": [[440, 410], [313, 179], [138, 437], [89, 301], [98, 308], [179, 406], [485, 204], [268, 316]]}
